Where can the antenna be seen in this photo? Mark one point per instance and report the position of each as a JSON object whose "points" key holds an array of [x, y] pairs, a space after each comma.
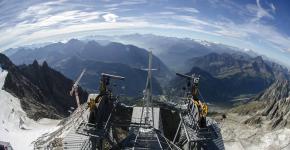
{"points": [[148, 91]]}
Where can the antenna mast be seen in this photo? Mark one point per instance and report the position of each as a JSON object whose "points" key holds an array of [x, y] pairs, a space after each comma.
{"points": [[148, 90]]}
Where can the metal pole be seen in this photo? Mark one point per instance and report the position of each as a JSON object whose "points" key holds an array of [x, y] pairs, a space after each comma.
{"points": [[186, 133], [177, 131]]}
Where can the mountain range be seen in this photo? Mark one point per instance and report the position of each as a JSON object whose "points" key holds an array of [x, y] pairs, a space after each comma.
{"points": [[231, 77], [71, 57], [224, 65], [228, 75], [173, 51]]}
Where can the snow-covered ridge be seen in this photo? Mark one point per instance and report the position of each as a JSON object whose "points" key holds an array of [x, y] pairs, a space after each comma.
{"points": [[15, 126]]}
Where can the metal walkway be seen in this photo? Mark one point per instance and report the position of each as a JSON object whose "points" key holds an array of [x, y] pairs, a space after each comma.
{"points": [[74, 141], [149, 140], [208, 138]]}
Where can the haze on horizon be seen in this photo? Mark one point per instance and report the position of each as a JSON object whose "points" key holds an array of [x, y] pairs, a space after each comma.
{"points": [[261, 25]]}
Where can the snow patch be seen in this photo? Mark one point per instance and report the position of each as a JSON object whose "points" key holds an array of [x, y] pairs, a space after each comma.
{"points": [[15, 127], [203, 42]]}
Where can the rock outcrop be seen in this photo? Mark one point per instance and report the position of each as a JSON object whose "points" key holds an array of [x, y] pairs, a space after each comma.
{"points": [[43, 92], [272, 105]]}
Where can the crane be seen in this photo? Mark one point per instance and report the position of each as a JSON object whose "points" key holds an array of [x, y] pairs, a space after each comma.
{"points": [[74, 89]]}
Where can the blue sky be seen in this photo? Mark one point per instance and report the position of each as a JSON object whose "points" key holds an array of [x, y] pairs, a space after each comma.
{"points": [[261, 25]]}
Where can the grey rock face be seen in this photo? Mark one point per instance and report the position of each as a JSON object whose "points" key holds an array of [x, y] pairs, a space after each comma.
{"points": [[43, 92], [276, 100]]}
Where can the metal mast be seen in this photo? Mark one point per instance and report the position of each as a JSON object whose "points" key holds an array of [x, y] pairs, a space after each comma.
{"points": [[148, 92]]}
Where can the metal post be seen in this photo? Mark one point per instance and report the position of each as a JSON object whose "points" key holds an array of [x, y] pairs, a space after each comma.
{"points": [[177, 131]]}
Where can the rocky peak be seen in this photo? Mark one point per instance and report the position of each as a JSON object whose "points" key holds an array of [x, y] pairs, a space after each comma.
{"points": [[72, 41], [92, 44], [45, 65], [5, 62], [43, 92], [35, 63], [259, 59], [277, 91], [275, 105]]}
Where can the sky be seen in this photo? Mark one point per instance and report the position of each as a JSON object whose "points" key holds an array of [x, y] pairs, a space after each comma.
{"points": [[258, 25]]}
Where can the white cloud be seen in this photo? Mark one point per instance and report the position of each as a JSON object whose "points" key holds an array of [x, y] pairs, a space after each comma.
{"points": [[167, 13], [126, 3], [244, 31], [50, 19], [109, 17], [68, 17], [259, 11], [184, 9], [273, 8], [41, 9], [252, 28], [223, 28]]}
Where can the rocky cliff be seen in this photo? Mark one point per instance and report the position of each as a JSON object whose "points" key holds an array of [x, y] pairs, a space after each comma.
{"points": [[271, 107], [43, 92]]}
